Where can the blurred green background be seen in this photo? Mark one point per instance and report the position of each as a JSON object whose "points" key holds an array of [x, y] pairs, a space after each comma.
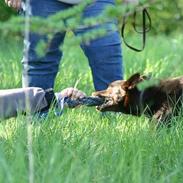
{"points": [[167, 16], [5, 12]]}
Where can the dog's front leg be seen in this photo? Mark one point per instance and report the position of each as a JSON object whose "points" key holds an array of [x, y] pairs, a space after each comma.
{"points": [[164, 114], [108, 106]]}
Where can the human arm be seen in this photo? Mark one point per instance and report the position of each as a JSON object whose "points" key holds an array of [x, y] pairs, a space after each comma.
{"points": [[31, 100]]}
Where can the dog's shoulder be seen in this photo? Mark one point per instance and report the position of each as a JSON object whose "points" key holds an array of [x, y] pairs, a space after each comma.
{"points": [[164, 88], [172, 85]]}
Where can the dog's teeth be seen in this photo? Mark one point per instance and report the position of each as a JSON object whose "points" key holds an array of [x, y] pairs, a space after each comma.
{"points": [[98, 108]]}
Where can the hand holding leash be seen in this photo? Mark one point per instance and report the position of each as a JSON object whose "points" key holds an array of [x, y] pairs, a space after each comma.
{"points": [[16, 4]]}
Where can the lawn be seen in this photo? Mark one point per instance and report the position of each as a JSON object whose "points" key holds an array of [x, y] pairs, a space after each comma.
{"points": [[84, 146]]}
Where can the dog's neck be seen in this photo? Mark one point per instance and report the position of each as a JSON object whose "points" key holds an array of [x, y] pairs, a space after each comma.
{"points": [[131, 103], [147, 101]]}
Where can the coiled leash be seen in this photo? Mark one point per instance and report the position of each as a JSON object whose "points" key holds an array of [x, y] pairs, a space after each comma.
{"points": [[87, 101], [145, 28], [58, 102]]}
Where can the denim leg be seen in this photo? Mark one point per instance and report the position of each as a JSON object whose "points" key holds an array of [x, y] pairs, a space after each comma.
{"points": [[104, 54], [40, 71], [105, 61]]}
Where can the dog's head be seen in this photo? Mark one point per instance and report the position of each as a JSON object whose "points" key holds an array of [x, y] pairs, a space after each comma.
{"points": [[116, 96]]}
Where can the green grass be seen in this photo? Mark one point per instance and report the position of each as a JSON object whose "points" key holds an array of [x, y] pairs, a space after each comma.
{"points": [[84, 146]]}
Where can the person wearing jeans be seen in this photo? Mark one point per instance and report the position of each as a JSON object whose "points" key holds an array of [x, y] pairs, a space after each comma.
{"points": [[104, 54]]}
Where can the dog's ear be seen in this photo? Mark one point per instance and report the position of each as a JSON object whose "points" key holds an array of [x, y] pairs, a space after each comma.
{"points": [[133, 81]]}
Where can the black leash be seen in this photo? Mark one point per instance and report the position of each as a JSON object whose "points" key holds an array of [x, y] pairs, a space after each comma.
{"points": [[145, 28]]}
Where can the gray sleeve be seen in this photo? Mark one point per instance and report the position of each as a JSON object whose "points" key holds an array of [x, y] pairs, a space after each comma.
{"points": [[14, 101]]}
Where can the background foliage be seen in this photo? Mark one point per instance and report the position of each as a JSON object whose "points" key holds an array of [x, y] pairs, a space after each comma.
{"points": [[5, 12], [167, 16]]}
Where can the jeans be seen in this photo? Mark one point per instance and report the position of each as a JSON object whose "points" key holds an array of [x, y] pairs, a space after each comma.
{"points": [[104, 54]]}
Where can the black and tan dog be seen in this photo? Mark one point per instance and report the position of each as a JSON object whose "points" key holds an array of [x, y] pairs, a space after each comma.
{"points": [[159, 101]]}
